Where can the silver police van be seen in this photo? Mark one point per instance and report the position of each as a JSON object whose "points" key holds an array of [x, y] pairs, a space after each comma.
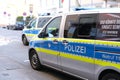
{"points": [[84, 44], [33, 28]]}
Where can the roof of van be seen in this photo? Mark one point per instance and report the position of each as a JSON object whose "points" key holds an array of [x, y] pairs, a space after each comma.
{"points": [[44, 16], [96, 10], [101, 10], [82, 8]]}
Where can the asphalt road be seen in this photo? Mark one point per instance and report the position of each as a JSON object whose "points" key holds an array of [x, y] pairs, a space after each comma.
{"points": [[14, 63]]}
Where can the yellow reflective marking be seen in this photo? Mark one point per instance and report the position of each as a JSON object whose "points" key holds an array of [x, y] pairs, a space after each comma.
{"points": [[107, 63], [80, 58], [98, 42], [47, 51], [30, 34], [78, 40], [108, 43]]}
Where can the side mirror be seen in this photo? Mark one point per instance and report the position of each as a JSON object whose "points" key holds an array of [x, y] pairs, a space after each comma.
{"points": [[42, 35], [28, 26]]}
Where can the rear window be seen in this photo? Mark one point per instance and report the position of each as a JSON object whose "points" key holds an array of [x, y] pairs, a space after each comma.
{"points": [[109, 27]]}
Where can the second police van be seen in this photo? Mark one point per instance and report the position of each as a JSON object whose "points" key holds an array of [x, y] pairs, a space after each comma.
{"points": [[33, 28], [85, 44]]}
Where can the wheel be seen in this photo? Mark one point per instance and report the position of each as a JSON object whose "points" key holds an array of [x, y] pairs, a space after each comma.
{"points": [[111, 76], [25, 41], [7, 27], [34, 60]]}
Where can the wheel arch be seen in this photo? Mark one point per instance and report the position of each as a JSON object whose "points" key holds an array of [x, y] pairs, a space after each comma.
{"points": [[23, 35], [25, 42], [38, 65], [30, 51], [107, 71]]}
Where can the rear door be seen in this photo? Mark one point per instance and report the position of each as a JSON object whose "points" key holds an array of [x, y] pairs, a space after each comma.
{"points": [[107, 49], [77, 46]]}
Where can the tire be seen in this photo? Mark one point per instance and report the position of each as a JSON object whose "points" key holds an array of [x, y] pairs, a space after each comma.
{"points": [[34, 60], [7, 27], [25, 41], [111, 76]]}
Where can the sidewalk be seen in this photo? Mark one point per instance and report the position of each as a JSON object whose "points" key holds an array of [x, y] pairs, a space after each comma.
{"points": [[12, 70]]}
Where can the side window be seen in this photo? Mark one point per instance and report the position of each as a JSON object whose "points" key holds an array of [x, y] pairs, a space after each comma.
{"points": [[52, 28], [84, 27], [33, 23], [109, 27]]}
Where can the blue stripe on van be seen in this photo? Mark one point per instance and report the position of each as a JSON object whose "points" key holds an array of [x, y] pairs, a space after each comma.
{"points": [[26, 31], [107, 56], [110, 49], [31, 31], [102, 52], [79, 49]]}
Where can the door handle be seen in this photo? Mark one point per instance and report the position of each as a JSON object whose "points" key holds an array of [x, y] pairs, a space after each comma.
{"points": [[55, 41], [65, 42]]}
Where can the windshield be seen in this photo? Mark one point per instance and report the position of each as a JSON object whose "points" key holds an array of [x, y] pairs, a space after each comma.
{"points": [[43, 21]]}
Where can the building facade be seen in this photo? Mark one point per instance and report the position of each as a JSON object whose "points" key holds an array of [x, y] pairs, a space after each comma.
{"points": [[66, 5], [35, 7]]}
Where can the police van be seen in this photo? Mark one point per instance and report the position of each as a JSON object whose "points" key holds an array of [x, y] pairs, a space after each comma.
{"points": [[33, 28], [85, 44]]}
